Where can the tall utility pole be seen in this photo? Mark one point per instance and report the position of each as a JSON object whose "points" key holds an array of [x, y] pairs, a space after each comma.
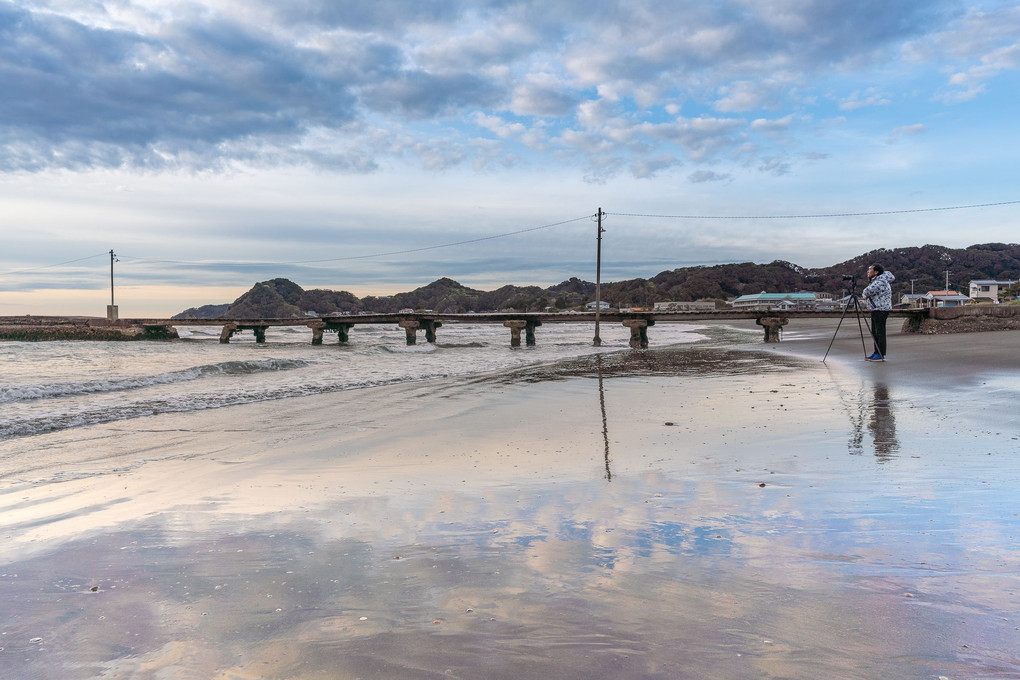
{"points": [[947, 279], [598, 278], [111, 310]]}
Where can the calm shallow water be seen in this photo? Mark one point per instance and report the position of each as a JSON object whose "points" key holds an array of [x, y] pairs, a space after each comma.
{"points": [[882, 544], [52, 386]]}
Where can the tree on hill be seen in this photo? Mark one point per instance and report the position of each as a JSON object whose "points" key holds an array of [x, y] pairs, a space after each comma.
{"points": [[281, 299], [925, 266], [203, 312]]}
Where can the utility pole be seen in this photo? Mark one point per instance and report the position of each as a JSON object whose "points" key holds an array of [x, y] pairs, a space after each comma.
{"points": [[912, 286], [947, 279], [111, 311], [598, 278]]}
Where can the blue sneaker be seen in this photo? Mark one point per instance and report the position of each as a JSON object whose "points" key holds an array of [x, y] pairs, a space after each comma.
{"points": [[875, 357]]}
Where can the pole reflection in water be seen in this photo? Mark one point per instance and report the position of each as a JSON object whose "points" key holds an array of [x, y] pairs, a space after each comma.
{"points": [[605, 423]]}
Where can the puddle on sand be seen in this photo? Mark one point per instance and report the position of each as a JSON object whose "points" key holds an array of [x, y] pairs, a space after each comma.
{"points": [[652, 576]]}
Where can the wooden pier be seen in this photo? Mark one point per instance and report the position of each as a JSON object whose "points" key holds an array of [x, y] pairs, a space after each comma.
{"points": [[23, 327]]}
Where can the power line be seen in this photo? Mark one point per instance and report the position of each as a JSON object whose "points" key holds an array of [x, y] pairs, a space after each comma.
{"points": [[48, 266], [531, 229], [374, 255], [800, 217], [445, 245]]}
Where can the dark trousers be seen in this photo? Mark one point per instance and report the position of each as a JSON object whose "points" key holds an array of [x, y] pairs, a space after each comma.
{"points": [[878, 317]]}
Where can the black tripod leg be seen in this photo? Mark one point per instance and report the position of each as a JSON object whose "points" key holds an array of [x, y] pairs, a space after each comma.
{"points": [[860, 315], [841, 317]]}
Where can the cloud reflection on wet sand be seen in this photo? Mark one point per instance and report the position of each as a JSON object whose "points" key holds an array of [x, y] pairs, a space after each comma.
{"points": [[743, 540]]}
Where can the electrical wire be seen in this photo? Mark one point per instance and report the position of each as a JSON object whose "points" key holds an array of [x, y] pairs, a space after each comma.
{"points": [[524, 231], [812, 216], [48, 266], [373, 255]]}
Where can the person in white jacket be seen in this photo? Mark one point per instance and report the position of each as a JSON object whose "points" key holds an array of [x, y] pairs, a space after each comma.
{"points": [[879, 296]]}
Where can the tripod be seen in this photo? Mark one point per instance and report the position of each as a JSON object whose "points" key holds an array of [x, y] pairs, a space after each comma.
{"points": [[852, 300]]}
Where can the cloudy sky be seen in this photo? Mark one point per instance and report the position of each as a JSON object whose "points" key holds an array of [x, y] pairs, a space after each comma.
{"points": [[376, 146]]}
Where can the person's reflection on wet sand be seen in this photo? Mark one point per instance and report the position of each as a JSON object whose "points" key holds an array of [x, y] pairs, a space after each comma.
{"points": [[876, 410], [882, 424]]}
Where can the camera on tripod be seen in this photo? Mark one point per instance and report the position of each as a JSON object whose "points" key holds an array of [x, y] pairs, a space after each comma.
{"points": [[851, 279]]}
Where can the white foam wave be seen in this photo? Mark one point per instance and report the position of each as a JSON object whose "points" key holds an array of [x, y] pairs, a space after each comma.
{"points": [[28, 392]]}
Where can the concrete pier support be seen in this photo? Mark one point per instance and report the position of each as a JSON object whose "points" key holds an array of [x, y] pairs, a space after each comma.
{"points": [[317, 329], [638, 333], [529, 332], [772, 325], [430, 326], [228, 330], [260, 333], [343, 332], [410, 327], [515, 331]]}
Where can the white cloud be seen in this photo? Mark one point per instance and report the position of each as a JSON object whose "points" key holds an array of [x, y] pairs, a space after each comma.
{"points": [[772, 126], [907, 130], [743, 96], [858, 100], [702, 176], [542, 94]]}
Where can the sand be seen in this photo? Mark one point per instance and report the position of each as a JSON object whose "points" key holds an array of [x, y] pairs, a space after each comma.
{"points": [[702, 513]]}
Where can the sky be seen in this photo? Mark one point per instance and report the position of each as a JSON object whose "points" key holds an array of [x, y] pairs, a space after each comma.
{"points": [[377, 146]]}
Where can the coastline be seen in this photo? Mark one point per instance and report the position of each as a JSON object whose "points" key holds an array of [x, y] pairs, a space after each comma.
{"points": [[709, 512]]}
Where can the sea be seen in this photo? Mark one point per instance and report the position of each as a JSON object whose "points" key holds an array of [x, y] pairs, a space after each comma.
{"points": [[57, 386]]}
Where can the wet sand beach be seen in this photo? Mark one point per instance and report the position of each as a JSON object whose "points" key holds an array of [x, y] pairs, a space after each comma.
{"points": [[688, 513]]}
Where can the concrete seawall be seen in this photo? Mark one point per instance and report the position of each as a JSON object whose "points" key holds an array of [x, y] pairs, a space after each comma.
{"points": [[970, 319], [70, 328]]}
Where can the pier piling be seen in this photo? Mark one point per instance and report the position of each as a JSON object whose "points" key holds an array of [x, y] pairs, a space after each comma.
{"points": [[410, 327], [638, 332], [772, 325]]}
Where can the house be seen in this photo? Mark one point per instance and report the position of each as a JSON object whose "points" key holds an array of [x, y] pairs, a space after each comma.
{"points": [[776, 301], [988, 289], [942, 298], [910, 300], [603, 305]]}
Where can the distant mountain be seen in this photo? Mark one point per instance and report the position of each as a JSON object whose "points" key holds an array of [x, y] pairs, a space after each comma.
{"points": [[203, 312], [925, 266]]}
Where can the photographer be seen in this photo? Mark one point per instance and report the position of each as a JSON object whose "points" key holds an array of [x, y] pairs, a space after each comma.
{"points": [[879, 296]]}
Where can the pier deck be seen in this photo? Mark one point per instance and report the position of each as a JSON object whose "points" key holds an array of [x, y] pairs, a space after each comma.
{"points": [[638, 323]]}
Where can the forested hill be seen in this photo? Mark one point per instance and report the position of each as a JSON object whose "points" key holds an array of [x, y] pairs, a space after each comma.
{"points": [[925, 265]]}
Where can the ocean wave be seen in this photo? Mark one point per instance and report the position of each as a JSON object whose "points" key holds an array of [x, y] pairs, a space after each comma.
{"points": [[30, 392], [84, 416], [409, 349]]}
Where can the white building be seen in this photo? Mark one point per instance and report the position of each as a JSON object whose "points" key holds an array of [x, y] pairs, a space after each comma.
{"points": [[943, 298], [988, 289], [777, 301], [680, 306]]}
